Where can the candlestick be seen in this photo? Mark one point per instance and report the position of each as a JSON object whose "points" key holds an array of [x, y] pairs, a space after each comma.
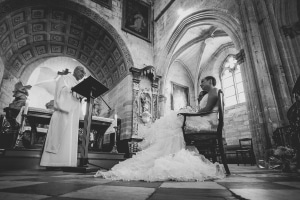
{"points": [[115, 125], [26, 107]]}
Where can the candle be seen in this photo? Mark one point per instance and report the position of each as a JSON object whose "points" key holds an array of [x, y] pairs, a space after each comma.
{"points": [[26, 107], [115, 122]]}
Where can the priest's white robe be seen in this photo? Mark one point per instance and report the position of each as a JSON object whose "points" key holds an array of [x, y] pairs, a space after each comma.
{"points": [[62, 138]]}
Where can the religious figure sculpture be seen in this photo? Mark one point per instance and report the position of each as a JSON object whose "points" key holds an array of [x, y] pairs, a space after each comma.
{"points": [[50, 105], [97, 107], [145, 108], [20, 93]]}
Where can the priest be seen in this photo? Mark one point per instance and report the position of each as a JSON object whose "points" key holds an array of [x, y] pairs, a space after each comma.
{"points": [[62, 138]]}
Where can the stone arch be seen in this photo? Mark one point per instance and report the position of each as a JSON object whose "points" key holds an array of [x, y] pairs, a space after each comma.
{"points": [[212, 16], [1, 70], [218, 17], [217, 54], [185, 67], [33, 30]]}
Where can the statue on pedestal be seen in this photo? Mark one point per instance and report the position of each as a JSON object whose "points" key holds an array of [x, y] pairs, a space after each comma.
{"points": [[20, 93]]}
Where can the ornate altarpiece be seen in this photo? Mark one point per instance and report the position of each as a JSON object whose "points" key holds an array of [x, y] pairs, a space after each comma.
{"points": [[145, 98]]}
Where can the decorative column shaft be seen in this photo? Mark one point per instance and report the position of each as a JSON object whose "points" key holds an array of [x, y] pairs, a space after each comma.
{"points": [[136, 87]]}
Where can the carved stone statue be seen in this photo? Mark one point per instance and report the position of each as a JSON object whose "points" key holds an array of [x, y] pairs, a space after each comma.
{"points": [[145, 107], [97, 107], [20, 93], [145, 102], [50, 105]]}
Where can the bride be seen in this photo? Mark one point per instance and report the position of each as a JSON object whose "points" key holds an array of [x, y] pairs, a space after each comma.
{"points": [[164, 155]]}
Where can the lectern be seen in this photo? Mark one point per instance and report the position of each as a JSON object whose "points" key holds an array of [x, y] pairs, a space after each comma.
{"points": [[91, 89]]}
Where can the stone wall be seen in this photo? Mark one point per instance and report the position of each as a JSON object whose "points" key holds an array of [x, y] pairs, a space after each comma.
{"points": [[120, 100], [236, 124], [180, 75], [140, 50]]}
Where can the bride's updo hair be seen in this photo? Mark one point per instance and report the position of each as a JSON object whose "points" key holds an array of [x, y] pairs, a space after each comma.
{"points": [[213, 80]]}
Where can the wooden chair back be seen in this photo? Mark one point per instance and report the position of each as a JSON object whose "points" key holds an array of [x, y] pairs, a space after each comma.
{"points": [[246, 143], [221, 112]]}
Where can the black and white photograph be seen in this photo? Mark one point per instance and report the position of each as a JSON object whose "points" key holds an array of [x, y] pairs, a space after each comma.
{"points": [[149, 99]]}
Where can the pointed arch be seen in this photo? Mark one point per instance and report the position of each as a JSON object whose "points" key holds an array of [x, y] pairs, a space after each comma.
{"points": [[213, 16]]}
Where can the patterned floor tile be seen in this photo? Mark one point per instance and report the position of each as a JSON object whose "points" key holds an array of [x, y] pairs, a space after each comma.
{"points": [[65, 198], [261, 194], [197, 185], [95, 181], [55, 178], [106, 192], [135, 184], [75, 176], [11, 178], [12, 196], [280, 179], [13, 184], [246, 181], [187, 193], [46, 179], [50, 189], [253, 185], [292, 184], [239, 179], [182, 197], [262, 175]]}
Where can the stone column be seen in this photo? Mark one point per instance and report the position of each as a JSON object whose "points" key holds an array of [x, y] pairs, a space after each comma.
{"points": [[290, 66], [154, 87], [270, 36], [264, 113]]}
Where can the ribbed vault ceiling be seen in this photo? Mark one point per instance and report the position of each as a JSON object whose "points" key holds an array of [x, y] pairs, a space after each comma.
{"points": [[194, 49]]}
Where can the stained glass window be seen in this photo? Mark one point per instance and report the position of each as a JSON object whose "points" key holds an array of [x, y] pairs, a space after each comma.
{"points": [[232, 83]]}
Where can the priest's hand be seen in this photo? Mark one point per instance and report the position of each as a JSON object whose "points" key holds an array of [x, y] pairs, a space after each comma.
{"points": [[61, 110]]}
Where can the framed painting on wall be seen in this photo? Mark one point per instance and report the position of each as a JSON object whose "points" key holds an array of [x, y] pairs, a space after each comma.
{"points": [[179, 96], [136, 17]]}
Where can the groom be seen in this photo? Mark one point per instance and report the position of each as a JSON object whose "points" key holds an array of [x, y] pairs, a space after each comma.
{"points": [[208, 87]]}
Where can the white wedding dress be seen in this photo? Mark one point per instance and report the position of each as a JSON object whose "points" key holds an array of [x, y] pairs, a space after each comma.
{"points": [[164, 156]]}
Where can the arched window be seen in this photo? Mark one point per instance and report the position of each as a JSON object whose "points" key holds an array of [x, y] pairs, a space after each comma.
{"points": [[232, 83]]}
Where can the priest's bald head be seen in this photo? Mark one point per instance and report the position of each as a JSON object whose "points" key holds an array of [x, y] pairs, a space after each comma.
{"points": [[79, 73]]}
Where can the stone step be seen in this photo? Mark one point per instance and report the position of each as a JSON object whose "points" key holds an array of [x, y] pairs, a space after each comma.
{"points": [[30, 159]]}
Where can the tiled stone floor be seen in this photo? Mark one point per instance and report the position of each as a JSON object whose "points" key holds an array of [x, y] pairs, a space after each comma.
{"points": [[246, 182]]}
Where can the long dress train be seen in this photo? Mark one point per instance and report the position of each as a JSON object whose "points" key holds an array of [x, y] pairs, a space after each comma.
{"points": [[164, 156]]}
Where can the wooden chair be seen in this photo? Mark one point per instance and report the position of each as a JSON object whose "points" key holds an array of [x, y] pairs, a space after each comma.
{"points": [[246, 151], [208, 142]]}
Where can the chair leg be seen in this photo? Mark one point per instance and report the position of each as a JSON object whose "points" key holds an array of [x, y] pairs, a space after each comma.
{"points": [[237, 158], [244, 158], [252, 158], [213, 150], [223, 157]]}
